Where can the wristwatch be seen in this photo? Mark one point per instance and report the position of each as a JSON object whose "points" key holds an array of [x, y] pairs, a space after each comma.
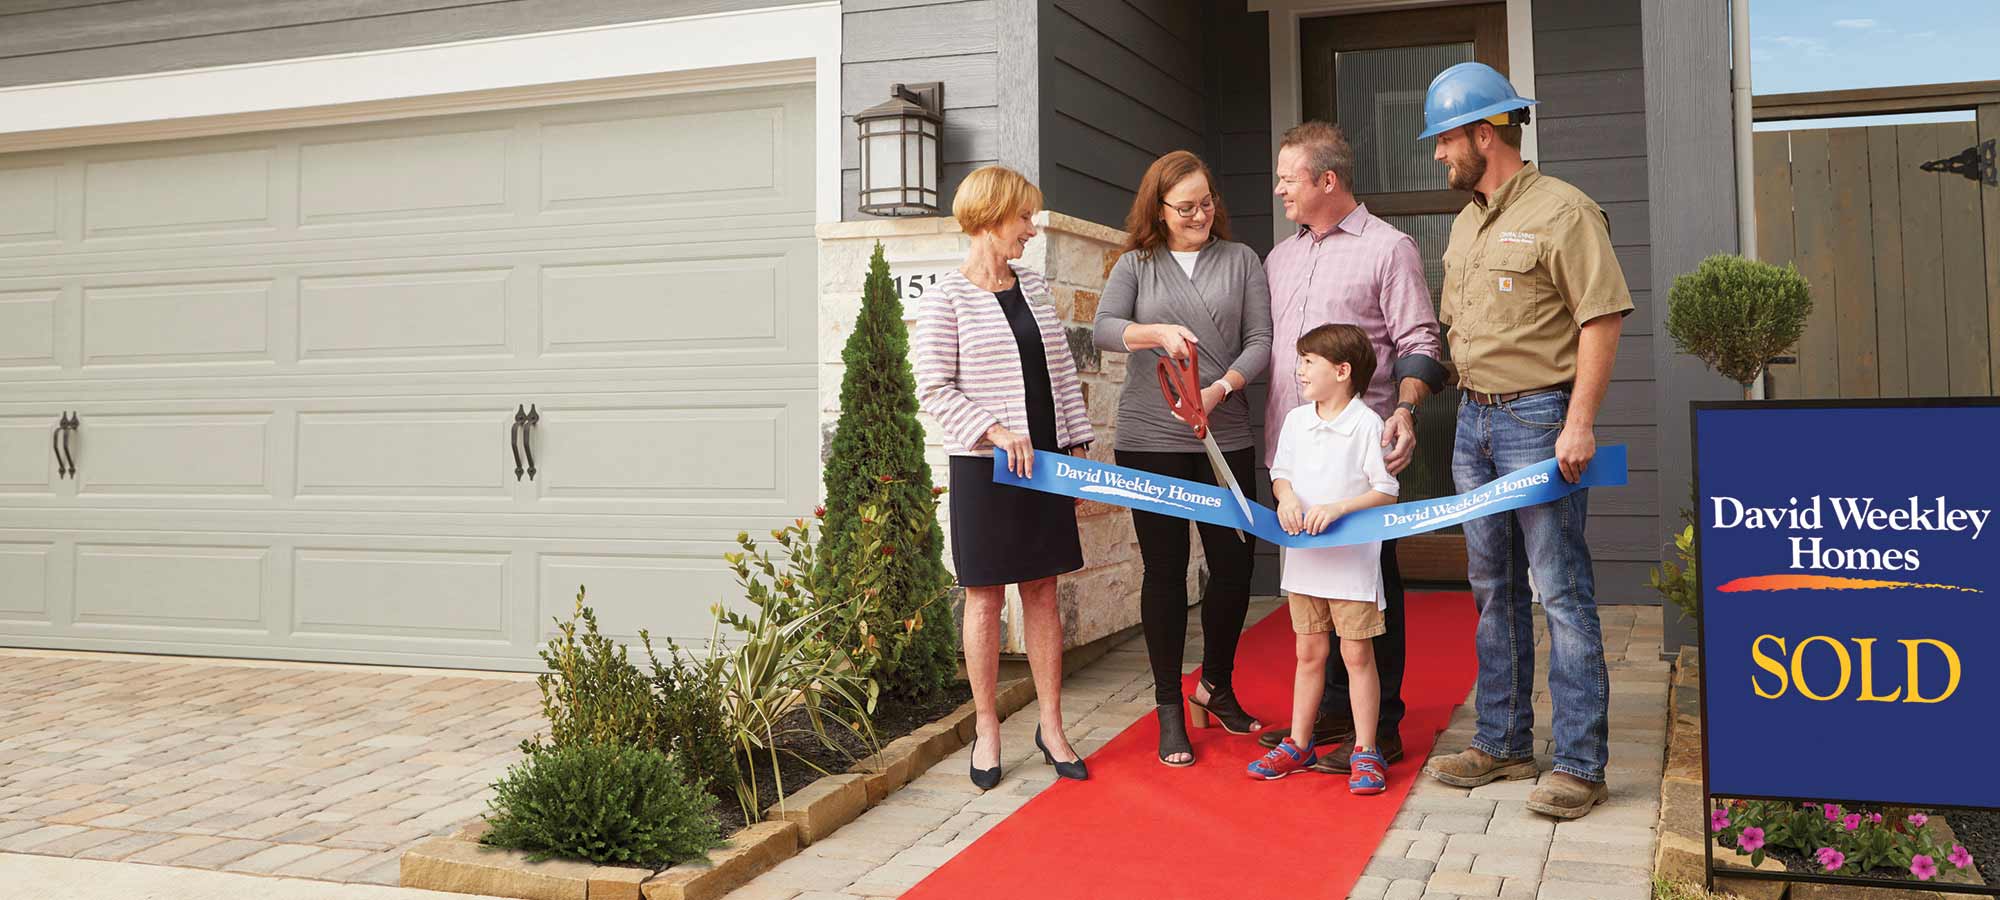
{"points": [[1224, 384], [1412, 407]]}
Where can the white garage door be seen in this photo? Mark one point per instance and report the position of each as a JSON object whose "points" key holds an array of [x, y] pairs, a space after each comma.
{"points": [[295, 361]]}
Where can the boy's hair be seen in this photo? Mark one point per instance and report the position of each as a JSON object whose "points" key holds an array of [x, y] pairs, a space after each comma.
{"points": [[1343, 343]]}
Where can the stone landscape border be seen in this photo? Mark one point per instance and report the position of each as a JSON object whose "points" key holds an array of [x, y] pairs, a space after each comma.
{"points": [[461, 864]]}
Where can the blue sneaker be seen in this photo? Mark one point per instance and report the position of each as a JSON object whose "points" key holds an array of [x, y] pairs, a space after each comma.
{"points": [[1368, 772], [1284, 759]]}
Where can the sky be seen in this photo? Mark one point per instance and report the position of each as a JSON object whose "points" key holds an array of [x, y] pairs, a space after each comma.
{"points": [[1830, 45]]}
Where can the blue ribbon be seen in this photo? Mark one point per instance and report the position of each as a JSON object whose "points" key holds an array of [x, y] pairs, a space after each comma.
{"points": [[1088, 479]]}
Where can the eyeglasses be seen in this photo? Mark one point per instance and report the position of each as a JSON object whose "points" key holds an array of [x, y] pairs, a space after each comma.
{"points": [[1187, 210]]}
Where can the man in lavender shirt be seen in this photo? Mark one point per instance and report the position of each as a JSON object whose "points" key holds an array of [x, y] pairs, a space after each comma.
{"points": [[1346, 265]]}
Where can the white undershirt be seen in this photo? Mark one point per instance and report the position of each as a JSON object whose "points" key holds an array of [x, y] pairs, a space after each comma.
{"points": [[1186, 259]]}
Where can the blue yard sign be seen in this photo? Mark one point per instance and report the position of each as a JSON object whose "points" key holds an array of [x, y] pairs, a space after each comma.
{"points": [[1850, 597]]}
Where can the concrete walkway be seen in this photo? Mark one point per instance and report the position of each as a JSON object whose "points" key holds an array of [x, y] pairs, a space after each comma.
{"points": [[1447, 842], [312, 771], [27, 875]]}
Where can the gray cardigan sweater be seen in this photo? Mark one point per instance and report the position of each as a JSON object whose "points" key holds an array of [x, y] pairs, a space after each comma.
{"points": [[1228, 307]]}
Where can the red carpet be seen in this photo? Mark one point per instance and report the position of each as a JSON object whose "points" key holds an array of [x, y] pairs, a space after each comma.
{"points": [[1142, 830]]}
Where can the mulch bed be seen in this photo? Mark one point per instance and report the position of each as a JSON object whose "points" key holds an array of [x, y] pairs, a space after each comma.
{"points": [[1980, 833], [798, 769]]}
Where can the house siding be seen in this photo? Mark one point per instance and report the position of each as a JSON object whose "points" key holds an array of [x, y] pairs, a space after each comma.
{"points": [[1590, 125], [44, 41], [1124, 82]]}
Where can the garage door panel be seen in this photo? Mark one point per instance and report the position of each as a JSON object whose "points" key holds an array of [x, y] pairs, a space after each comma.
{"points": [[450, 313], [27, 454], [668, 595], [176, 323], [169, 586], [652, 157], [28, 328], [405, 454], [664, 452], [212, 453], [25, 570], [178, 192], [419, 176], [28, 203], [664, 305], [357, 592]]}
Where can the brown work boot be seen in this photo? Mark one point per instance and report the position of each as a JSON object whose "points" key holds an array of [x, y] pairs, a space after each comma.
{"points": [[1566, 796], [1472, 768], [1390, 746]]}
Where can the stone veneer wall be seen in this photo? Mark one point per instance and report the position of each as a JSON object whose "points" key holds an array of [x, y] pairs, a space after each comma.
{"points": [[1075, 255]]}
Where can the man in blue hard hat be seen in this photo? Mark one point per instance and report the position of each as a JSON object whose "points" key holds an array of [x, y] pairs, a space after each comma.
{"points": [[1534, 300]]}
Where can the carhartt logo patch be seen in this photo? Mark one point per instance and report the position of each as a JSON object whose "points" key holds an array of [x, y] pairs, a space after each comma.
{"points": [[1506, 284], [1517, 237]]}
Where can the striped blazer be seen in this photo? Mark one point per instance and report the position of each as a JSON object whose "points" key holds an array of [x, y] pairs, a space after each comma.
{"points": [[968, 365]]}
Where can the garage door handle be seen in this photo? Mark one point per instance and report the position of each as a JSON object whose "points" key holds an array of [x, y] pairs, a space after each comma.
{"points": [[514, 438], [527, 438], [59, 442]]}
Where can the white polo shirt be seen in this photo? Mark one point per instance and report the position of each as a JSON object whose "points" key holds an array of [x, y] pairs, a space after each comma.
{"points": [[1327, 461]]}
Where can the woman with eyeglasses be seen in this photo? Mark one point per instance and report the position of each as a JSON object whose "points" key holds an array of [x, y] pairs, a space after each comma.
{"points": [[1183, 283]]}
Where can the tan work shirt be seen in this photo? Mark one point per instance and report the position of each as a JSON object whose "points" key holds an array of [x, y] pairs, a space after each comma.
{"points": [[1525, 269]]}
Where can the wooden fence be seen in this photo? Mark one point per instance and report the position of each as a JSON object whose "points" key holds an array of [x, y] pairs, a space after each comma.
{"points": [[1904, 264]]}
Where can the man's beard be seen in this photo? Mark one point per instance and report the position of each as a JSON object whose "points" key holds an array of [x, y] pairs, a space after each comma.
{"points": [[1466, 171]]}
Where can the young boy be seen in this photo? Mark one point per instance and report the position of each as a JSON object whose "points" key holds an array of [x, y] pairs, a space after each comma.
{"points": [[1329, 464]]}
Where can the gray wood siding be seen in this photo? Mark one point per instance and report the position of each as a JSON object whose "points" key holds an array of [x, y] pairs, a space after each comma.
{"points": [[45, 41], [957, 42], [1239, 117], [1123, 82], [1590, 79]]}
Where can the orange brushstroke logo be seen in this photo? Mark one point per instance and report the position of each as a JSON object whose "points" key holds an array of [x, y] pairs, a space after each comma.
{"points": [[1826, 583]]}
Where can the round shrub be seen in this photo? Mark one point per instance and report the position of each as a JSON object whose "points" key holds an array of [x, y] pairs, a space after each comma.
{"points": [[603, 802], [1738, 314]]}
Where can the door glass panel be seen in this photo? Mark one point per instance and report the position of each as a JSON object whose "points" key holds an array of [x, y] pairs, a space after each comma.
{"points": [[1429, 474], [1379, 103]]}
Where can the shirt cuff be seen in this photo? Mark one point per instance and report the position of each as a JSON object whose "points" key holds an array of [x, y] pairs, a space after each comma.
{"points": [[1424, 368]]}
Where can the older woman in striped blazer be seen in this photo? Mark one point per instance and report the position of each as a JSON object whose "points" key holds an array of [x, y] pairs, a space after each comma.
{"points": [[994, 369]]}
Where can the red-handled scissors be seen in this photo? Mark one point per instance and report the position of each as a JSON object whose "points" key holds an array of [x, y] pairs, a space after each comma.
{"points": [[1180, 382]]}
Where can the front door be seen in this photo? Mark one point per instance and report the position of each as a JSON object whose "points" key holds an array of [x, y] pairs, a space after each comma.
{"points": [[1368, 73]]}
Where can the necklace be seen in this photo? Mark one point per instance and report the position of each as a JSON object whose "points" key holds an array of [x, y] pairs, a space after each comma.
{"points": [[988, 282]]}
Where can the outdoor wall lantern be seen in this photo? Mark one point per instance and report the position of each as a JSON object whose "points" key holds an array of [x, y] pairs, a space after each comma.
{"points": [[899, 151]]}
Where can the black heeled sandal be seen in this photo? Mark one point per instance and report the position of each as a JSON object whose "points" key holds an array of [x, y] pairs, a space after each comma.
{"points": [[983, 779], [1173, 736], [1072, 769], [1223, 706]]}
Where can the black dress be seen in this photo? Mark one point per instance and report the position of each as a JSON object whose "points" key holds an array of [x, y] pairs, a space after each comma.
{"points": [[1002, 534]]}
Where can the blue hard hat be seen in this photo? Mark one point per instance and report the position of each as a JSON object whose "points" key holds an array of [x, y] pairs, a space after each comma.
{"points": [[1466, 93]]}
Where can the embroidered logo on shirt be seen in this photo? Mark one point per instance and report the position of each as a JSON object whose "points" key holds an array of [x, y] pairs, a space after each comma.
{"points": [[1506, 284], [1517, 237]]}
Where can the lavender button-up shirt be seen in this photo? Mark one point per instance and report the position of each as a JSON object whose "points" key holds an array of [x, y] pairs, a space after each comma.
{"points": [[1364, 272]]}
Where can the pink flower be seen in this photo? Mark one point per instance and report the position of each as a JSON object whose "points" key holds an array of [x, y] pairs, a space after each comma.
{"points": [[1832, 859], [1918, 819], [1852, 821], [1718, 819], [1752, 839], [1874, 818], [1959, 857], [1924, 867], [1832, 812]]}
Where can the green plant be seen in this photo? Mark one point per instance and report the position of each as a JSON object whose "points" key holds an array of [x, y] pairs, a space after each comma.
{"points": [[1678, 584], [780, 668], [604, 802], [878, 456], [1738, 314], [594, 693], [1840, 840]]}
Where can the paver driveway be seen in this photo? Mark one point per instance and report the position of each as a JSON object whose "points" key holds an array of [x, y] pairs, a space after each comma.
{"points": [[308, 770]]}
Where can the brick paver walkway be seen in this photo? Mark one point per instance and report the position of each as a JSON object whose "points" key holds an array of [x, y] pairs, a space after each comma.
{"points": [[315, 771], [1447, 842]]}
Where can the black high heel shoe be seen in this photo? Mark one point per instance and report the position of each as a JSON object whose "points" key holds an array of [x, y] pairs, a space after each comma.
{"points": [[983, 779], [1223, 706], [1173, 736], [1071, 769]]}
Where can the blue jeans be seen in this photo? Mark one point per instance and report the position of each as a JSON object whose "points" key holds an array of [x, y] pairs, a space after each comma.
{"points": [[1501, 551]]}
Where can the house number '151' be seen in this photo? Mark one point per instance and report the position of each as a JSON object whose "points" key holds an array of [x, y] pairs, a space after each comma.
{"points": [[911, 287]]}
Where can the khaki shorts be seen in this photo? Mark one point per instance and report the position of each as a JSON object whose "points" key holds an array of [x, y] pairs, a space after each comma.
{"points": [[1354, 620]]}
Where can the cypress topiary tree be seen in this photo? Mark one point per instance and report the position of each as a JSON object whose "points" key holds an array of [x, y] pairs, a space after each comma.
{"points": [[878, 457]]}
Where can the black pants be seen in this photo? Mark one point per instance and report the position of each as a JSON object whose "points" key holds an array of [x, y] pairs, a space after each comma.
{"points": [[1389, 658], [1163, 547]]}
